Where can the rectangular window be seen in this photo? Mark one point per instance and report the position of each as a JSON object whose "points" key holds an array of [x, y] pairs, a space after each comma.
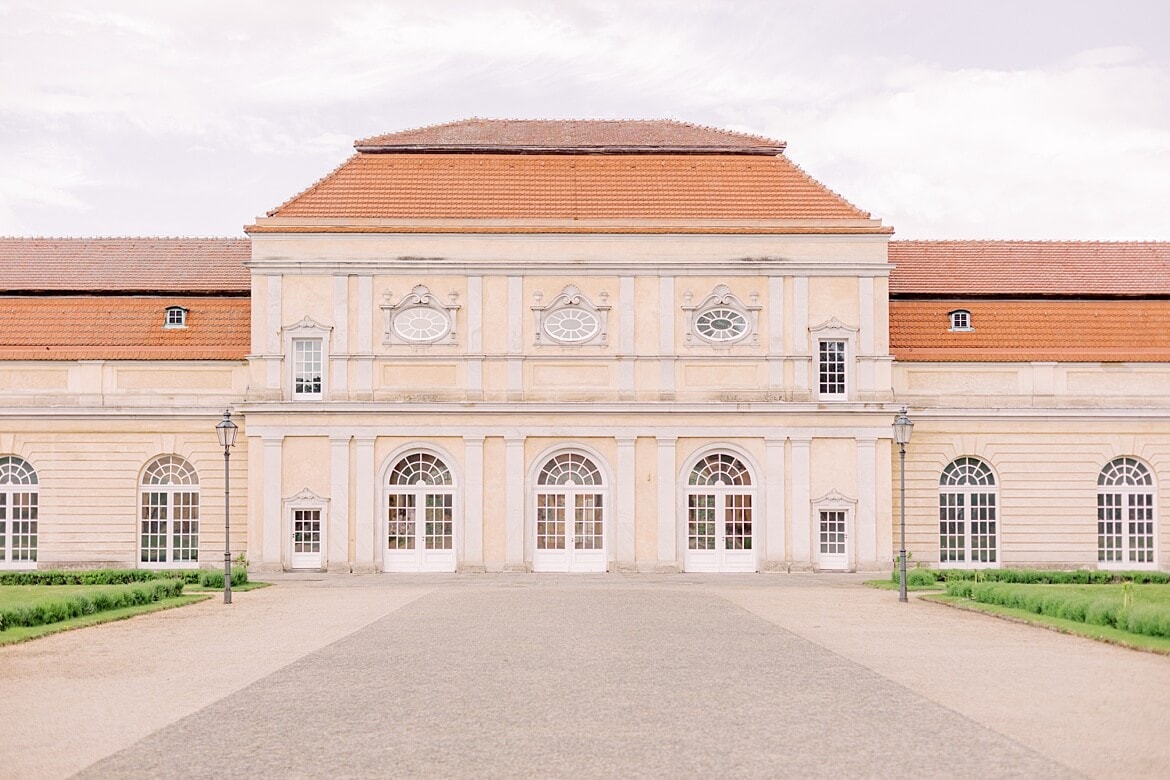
{"points": [[307, 368], [832, 532], [831, 368]]}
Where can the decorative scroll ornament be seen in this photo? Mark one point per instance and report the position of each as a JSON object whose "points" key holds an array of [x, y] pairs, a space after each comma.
{"points": [[721, 319], [419, 318], [572, 319]]}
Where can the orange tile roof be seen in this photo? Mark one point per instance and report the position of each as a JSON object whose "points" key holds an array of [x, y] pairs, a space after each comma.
{"points": [[1059, 268], [88, 327], [563, 187], [1025, 330], [125, 264], [572, 135]]}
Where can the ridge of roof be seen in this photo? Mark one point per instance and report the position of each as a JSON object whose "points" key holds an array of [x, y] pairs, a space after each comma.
{"points": [[570, 136]]}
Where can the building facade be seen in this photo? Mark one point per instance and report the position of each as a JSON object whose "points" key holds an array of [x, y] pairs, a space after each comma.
{"points": [[581, 346]]}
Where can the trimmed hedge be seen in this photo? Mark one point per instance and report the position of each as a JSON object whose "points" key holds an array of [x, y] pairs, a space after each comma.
{"points": [[68, 607], [1039, 576], [121, 576], [1147, 619]]}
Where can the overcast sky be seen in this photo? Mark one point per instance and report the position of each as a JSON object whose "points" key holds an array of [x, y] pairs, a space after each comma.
{"points": [[995, 119]]}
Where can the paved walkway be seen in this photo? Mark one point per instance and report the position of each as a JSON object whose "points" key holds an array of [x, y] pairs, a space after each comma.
{"points": [[585, 676]]}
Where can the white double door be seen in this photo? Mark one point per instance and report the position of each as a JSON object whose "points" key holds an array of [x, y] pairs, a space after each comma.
{"points": [[570, 530], [420, 530], [719, 531]]}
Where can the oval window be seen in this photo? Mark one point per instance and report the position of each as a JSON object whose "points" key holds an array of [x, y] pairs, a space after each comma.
{"points": [[722, 324], [571, 325], [421, 324]]}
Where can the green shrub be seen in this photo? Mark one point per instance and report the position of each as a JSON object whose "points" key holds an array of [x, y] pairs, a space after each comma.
{"points": [[109, 576], [213, 578], [921, 577], [1148, 619], [67, 607]]}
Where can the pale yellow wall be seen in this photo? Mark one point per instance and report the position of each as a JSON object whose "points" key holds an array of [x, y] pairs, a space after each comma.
{"points": [[494, 517], [304, 465], [495, 306], [645, 499], [833, 466], [1046, 472], [89, 472], [646, 310], [830, 297], [307, 296]]}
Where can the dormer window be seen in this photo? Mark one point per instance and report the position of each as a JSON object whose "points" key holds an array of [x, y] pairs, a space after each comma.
{"points": [[961, 320], [176, 317]]}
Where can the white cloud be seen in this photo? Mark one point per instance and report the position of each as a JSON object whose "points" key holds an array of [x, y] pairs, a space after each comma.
{"points": [[105, 111]]}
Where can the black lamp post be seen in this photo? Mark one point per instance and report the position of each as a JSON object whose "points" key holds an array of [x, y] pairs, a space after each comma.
{"points": [[903, 427], [226, 431]]}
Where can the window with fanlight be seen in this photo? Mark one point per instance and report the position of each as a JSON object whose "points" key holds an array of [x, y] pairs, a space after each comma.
{"points": [[1125, 515], [169, 514], [19, 508], [968, 514]]}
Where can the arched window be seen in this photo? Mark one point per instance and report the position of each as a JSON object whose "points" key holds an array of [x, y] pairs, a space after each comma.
{"points": [[719, 498], [18, 513], [1125, 514], [420, 515], [169, 522], [968, 514], [571, 501]]}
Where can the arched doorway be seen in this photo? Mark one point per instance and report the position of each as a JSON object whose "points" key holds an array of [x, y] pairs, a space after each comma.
{"points": [[719, 516], [420, 515], [571, 509]]}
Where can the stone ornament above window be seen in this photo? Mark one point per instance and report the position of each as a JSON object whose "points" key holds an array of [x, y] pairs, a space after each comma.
{"points": [[419, 318], [571, 318], [721, 319]]}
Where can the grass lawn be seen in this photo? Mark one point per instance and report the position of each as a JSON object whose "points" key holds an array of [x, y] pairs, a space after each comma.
{"points": [[32, 595], [1142, 594]]}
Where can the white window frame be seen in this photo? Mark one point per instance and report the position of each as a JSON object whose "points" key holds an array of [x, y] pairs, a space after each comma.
{"points": [[570, 557], [307, 329], [834, 330], [168, 492], [961, 321], [1126, 497], [25, 492], [835, 501], [175, 317], [724, 498], [722, 298], [306, 500], [950, 495], [570, 298], [420, 297]]}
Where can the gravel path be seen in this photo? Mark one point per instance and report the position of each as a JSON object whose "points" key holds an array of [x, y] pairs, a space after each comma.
{"points": [[544, 675]]}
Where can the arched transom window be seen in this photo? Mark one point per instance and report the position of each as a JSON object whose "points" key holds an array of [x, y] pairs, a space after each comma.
{"points": [[719, 526], [968, 514], [570, 515], [420, 515], [19, 490], [169, 521], [1125, 514]]}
